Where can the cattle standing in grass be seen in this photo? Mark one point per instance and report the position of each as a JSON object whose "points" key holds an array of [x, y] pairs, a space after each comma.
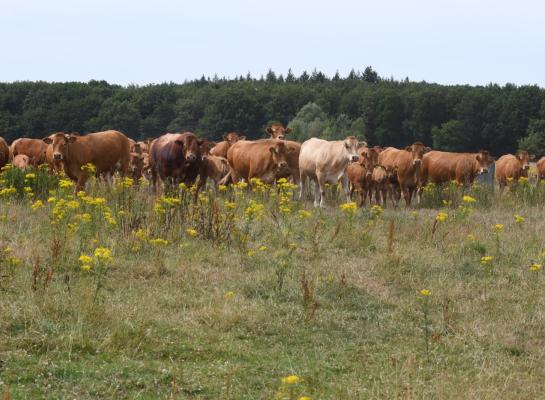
{"points": [[262, 159], [35, 149], [4, 152], [441, 166], [324, 161], [21, 161], [509, 168], [292, 168], [216, 168], [359, 173], [408, 163], [278, 131], [220, 149], [381, 185], [177, 156], [55, 166], [541, 169], [102, 149]]}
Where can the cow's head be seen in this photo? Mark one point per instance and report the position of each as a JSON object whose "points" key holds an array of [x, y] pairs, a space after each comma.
{"points": [[524, 159], [278, 131], [483, 160], [368, 158], [60, 142], [279, 154], [204, 147], [136, 164], [417, 150], [233, 137], [189, 147], [352, 146]]}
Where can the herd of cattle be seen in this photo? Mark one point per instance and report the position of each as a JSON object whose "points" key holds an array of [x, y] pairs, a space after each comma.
{"points": [[374, 172]]}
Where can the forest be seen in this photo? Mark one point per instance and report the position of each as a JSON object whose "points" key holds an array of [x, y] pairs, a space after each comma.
{"points": [[384, 111]]}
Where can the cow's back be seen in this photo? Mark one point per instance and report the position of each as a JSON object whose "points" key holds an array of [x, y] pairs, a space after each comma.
{"points": [[220, 149], [4, 152], [541, 168], [103, 149], [33, 148], [439, 166], [507, 167]]}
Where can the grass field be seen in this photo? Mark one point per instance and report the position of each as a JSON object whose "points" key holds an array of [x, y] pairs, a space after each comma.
{"points": [[255, 296]]}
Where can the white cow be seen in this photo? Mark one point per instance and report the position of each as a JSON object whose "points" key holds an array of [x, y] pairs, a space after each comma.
{"points": [[325, 162]]}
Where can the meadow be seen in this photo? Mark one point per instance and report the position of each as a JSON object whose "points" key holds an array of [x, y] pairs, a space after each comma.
{"points": [[249, 294]]}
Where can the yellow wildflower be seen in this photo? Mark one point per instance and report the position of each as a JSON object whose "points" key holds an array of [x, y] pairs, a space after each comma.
{"points": [[349, 208], [523, 180], [498, 227], [425, 292], [251, 253], [89, 168], [37, 204], [65, 184], [127, 182], [159, 242], [85, 259], [469, 199], [535, 267], [471, 237], [291, 380], [486, 260], [229, 295], [191, 232], [30, 176], [222, 188], [304, 398], [86, 267], [263, 248], [303, 214], [103, 254], [519, 219], [376, 210], [441, 217], [230, 205]]}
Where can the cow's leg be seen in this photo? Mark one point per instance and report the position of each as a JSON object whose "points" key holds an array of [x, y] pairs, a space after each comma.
{"points": [[344, 184], [80, 184], [319, 193], [302, 182]]}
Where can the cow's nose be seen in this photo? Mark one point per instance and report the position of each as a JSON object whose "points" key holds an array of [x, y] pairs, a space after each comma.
{"points": [[191, 157], [526, 167], [355, 158], [282, 164], [369, 173], [484, 170], [57, 156], [416, 162], [281, 137]]}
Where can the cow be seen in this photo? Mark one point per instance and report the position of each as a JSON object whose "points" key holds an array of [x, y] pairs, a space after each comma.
{"points": [[509, 168], [102, 149], [325, 162], [541, 169], [55, 166], [21, 161], [177, 156], [216, 168], [144, 145], [359, 173], [408, 167], [4, 152], [262, 159], [441, 167], [292, 168], [220, 149], [35, 149], [136, 166], [278, 131]]}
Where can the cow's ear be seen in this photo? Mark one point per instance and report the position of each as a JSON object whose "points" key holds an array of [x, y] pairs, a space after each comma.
{"points": [[427, 149], [269, 130], [47, 140], [179, 143], [362, 144], [225, 138], [200, 142], [288, 130], [242, 138], [71, 139], [408, 148], [518, 156], [479, 157]]}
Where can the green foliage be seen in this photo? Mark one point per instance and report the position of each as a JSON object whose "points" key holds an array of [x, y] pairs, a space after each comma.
{"points": [[535, 141]]}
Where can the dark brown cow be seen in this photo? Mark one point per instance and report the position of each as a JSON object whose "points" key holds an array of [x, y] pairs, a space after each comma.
{"points": [[360, 173], [441, 166], [4, 152], [509, 168], [262, 159], [102, 149], [220, 150], [408, 163], [177, 156], [541, 169], [278, 131], [35, 149]]}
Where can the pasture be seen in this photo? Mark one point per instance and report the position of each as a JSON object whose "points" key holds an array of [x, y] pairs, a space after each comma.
{"points": [[115, 293]]}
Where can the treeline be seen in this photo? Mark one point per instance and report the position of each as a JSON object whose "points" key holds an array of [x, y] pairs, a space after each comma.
{"points": [[384, 111]]}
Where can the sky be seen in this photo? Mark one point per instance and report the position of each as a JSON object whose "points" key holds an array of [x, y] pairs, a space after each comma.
{"points": [[139, 42]]}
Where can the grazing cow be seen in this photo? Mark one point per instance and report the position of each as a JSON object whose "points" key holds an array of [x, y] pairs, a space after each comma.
{"points": [[21, 161], [359, 173], [441, 166], [292, 168], [216, 168], [383, 182], [278, 131], [220, 149], [102, 149], [177, 156], [541, 169], [262, 159], [35, 149], [144, 145], [4, 152], [509, 168], [136, 166], [408, 162], [324, 162]]}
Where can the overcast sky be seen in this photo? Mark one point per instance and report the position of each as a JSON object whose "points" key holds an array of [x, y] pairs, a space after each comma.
{"points": [[132, 41]]}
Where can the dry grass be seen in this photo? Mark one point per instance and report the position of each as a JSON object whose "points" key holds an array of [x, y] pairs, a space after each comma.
{"points": [[340, 309]]}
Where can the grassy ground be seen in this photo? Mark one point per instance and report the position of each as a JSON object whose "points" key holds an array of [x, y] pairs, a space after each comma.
{"points": [[242, 297]]}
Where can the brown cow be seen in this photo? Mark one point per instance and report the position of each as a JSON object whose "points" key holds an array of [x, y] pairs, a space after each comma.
{"points": [[102, 149], [262, 159], [220, 149], [55, 166], [35, 149], [541, 169], [510, 168], [408, 162], [292, 169], [4, 152], [441, 166], [144, 145], [177, 156], [359, 173], [136, 166], [21, 161], [216, 168], [278, 131]]}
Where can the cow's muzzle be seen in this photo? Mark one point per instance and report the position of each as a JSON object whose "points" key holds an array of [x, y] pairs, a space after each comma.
{"points": [[282, 165], [281, 137], [191, 157], [417, 161], [526, 167], [354, 158], [57, 156]]}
